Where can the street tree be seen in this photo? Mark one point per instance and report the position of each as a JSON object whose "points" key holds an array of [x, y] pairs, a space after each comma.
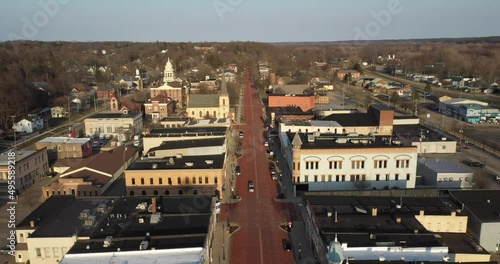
{"points": [[428, 88], [395, 98]]}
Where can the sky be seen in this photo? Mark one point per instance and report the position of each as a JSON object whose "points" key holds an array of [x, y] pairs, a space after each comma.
{"points": [[245, 20]]}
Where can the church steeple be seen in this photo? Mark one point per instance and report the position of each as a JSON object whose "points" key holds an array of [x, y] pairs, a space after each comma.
{"points": [[223, 88]]}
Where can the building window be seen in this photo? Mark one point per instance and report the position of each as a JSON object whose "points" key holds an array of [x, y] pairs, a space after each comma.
{"points": [[131, 193], [215, 180], [337, 178], [160, 180], [38, 252], [335, 165], [133, 181], [194, 180], [143, 192], [315, 178], [396, 177], [96, 193], [181, 192], [330, 178], [155, 192], [408, 176], [402, 163], [186, 180], [151, 181], [343, 178], [178, 180], [169, 181], [357, 164], [312, 165], [380, 164], [387, 177], [142, 181], [377, 177], [200, 180], [84, 193], [167, 192], [206, 180]]}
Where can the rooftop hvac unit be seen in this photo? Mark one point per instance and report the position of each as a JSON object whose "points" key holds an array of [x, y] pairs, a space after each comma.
{"points": [[142, 206], [209, 161], [141, 220], [143, 245], [90, 221], [107, 241], [85, 213], [310, 138], [189, 164]]}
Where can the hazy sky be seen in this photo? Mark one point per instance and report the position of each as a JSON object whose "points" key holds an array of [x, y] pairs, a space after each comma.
{"points": [[243, 20]]}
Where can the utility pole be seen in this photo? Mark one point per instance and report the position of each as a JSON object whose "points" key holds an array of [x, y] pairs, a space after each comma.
{"points": [[15, 140], [69, 110]]}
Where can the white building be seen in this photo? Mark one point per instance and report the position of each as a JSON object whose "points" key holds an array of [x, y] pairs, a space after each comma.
{"points": [[114, 123], [29, 125], [348, 162], [164, 256], [443, 174], [168, 74]]}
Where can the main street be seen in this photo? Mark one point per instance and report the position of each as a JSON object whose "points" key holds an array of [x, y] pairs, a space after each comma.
{"points": [[259, 239]]}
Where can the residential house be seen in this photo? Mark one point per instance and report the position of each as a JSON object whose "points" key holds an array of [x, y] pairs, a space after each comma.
{"points": [[58, 112], [30, 167], [65, 147], [230, 77], [126, 103], [126, 81], [90, 176], [354, 74], [209, 83], [159, 107], [80, 90], [41, 112], [106, 91], [233, 67], [29, 124]]}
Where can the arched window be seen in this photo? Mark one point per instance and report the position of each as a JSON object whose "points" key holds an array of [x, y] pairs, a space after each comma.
{"points": [[131, 193], [143, 192], [155, 192], [192, 113], [181, 192], [223, 101], [167, 192], [215, 114], [201, 114], [195, 192]]}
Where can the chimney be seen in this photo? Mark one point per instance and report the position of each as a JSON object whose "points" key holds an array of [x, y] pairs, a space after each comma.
{"points": [[374, 211], [453, 214], [32, 223], [153, 205], [421, 212]]}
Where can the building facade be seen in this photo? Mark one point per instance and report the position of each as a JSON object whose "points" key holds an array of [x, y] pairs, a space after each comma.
{"points": [[305, 102], [325, 162], [65, 147], [30, 167], [113, 123], [159, 107], [178, 175]]}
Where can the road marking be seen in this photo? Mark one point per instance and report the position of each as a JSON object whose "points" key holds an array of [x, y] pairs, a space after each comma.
{"points": [[260, 242]]}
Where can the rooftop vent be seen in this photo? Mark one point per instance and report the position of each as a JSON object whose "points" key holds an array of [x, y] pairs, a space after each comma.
{"points": [[107, 241], [90, 221], [209, 161], [310, 138], [154, 166], [341, 140], [142, 206], [189, 164], [171, 161], [178, 155], [443, 138], [144, 245], [85, 213]]}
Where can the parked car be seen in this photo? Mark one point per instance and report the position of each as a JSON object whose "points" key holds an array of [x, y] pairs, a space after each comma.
{"points": [[241, 134], [474, 164], [498, 177], [286, 245], [266, 144], [251, 186], [107, 136], [237, 170]]}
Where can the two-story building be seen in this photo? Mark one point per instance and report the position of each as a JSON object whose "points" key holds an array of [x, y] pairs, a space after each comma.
{"points": [[116, 123], [354, 74], [305, 102], [348, 162], [65, 147], [177, 175], [159, 107], [29, 124]]}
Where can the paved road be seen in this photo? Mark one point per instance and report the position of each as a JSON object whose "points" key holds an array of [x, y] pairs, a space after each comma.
{"points": [[259, 239]]}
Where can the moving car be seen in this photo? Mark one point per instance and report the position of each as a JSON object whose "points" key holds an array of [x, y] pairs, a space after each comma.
{"points": [[251, 186], [241, 134], [266, 144], [237, 170]]}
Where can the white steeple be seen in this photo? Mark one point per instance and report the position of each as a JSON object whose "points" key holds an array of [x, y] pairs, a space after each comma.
{"points": [[168, 74]]}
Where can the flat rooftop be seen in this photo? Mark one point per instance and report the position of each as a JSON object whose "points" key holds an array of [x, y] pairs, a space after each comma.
{"points": [[187, 131], [346, 141], [415, 132], [483, 204], [184, 162], [443, 166], [20, 155], [190, 143], [120, 217], [354, 119], [64, 140], [169, 256], [289, 110], [316, 123], [210, 122], [117, 114]]}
